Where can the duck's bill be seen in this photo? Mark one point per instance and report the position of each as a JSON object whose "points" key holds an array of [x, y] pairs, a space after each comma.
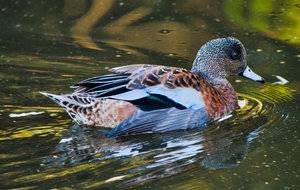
{"points": [[248, 73]]}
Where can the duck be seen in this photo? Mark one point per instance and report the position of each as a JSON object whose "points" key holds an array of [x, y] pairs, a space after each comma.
{"points": [[144, 98]]}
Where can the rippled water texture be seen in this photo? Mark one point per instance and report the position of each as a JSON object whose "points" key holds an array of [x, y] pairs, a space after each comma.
{"points": [[50, 45]]}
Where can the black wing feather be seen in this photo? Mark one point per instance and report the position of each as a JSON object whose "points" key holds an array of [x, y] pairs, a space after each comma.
{"points": [[110, 92], [107, 86], [102, 86], [103, 78]]}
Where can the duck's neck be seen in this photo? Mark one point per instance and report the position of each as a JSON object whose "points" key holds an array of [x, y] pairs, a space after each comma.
{"points": [[227, 91], [223, 98]]}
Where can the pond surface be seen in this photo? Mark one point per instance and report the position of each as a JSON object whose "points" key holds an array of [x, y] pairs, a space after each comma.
{"points": [[50, 45]]}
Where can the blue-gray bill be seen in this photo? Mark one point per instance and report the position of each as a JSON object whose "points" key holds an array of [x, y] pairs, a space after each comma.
{"points": [[248, 73]]}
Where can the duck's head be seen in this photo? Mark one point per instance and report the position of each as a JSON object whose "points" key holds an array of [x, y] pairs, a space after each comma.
{"points": [[223, 57]]}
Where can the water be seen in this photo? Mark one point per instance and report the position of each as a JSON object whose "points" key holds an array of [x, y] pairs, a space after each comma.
{"points": [[50, 45]]}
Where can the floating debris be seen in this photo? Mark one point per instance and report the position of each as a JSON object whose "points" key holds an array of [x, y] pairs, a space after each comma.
{"points": [[25, 114], [224, 118], [242, 103], [281, 81], [66, 140], [115, 178]]}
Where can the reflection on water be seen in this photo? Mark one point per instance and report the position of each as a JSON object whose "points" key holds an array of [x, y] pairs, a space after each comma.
{"points": [[223, 145], [279, 20], [83, 26], [218, 147], [47, 46]]}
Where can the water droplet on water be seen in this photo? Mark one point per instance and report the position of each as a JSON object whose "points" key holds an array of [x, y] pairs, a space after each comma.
{"points": [[217, 20], [165, 31]]}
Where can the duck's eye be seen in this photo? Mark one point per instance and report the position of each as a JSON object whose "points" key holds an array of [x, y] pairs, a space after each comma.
{"points": [[234, 52], [235, 55]]}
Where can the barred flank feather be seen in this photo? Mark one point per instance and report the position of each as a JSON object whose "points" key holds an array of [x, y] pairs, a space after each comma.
{"points": [[93, 111]]}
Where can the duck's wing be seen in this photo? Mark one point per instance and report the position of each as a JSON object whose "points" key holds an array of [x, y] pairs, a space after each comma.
{"points": [[146, 84], [160, 121], [111, 84], [132, 69], [180, 87]]}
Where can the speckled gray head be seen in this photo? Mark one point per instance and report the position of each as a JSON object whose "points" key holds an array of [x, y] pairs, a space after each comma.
{"points": [[222, 57]]}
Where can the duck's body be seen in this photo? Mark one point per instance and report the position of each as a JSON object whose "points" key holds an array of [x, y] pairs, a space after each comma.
{"points": [[155, 95]]}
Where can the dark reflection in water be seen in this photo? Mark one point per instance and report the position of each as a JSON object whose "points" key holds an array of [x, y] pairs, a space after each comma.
{"points": [[81, 144], [50, 45], [170, 153]]}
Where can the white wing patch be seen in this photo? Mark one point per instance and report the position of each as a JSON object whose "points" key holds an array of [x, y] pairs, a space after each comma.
{"points": [[187, 97], [131, 95]]}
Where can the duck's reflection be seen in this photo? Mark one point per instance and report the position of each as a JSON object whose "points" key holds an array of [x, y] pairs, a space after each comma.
{"points": [[214, 147]]}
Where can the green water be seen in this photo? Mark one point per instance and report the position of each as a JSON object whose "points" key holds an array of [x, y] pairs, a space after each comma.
{"points": [[50, 45]]}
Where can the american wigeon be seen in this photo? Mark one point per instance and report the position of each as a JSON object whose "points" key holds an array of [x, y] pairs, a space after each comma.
{"points": [[135, 96]]}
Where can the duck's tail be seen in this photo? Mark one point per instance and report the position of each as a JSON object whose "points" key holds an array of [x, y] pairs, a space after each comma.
{"points": [[75, 106]]}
